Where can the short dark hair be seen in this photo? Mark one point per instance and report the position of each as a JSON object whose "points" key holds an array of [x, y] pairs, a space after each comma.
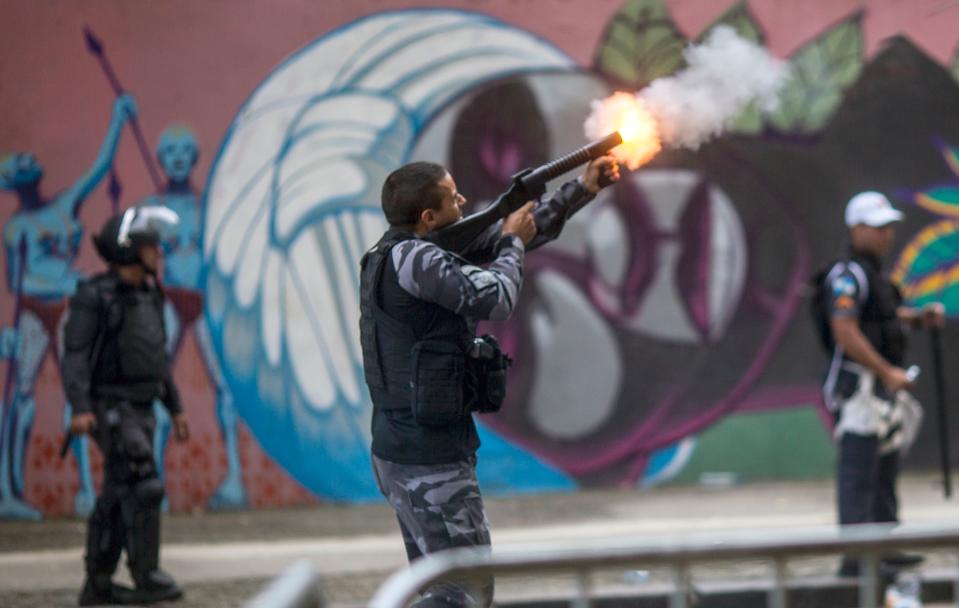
{"points": [[411, 189]]}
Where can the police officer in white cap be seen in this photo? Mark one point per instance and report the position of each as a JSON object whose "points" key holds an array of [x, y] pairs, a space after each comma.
{"points": [[865, 326]]}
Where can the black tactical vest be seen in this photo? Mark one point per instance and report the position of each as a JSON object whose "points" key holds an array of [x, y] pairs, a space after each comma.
{"points": [[130, 354], [392, 321], [878, 320]]}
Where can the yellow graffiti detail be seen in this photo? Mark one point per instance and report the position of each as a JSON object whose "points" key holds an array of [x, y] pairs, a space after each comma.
{"points": [[952, 158], [919, 242], [927, 202], [934, 283]]}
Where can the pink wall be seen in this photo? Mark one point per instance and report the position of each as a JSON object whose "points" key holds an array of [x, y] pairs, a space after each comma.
{"points": [[196, 62]]}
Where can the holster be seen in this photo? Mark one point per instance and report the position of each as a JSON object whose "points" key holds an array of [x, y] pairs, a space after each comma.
{"points": [[126, 445], [447, 384], [484, 387]]}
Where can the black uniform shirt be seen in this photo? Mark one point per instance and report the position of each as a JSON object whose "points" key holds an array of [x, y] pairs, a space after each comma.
{"points": [[114, 345]]}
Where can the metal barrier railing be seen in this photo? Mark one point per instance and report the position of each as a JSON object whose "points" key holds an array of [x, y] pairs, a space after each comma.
{"points": [[297, 587], [679, 553]]}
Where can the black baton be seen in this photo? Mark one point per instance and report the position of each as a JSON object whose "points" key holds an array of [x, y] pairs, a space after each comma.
{"points": [[65, 446], [935, 336]]}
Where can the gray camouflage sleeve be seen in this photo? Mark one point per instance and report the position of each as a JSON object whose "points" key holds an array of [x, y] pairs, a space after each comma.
{"points": [[549, 214], [429, 273]]}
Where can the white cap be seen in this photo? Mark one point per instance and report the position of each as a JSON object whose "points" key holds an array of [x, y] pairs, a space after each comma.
{"points": [[872, 209]]}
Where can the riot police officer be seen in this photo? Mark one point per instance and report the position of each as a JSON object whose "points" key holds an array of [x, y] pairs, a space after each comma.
{"points": [[115, 365], [866, 384], [419, 306]]}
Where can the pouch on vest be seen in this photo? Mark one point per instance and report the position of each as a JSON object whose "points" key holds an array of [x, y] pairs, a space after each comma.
{"points": [[486, 367], [436, 383], [141, 340]]}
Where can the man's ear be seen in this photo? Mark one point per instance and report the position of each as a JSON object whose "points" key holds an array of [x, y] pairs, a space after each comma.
{"points": [[428, 217]]}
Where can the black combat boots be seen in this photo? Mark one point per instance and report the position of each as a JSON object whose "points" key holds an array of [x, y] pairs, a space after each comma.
{"points": [[156, 586], [99, 590]]}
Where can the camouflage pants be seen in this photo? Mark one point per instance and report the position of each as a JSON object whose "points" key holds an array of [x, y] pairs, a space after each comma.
{"points": [[439, 507]]}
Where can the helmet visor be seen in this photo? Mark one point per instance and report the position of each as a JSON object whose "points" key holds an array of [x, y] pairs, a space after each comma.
{"points": [[147, 224]]}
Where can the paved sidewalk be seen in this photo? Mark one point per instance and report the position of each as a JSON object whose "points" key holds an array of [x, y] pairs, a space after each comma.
{"points": [[224, 558]]}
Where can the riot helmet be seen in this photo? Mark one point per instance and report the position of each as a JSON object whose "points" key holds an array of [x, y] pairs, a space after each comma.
{"points": [[123, 234]]}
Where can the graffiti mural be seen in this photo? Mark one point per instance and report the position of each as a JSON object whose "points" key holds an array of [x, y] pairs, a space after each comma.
{"points": [[178, 152], [928, 267], [661, 336], [287, 225], [42, 239]]}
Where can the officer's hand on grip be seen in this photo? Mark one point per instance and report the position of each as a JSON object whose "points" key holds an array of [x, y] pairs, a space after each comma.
{"points": [[600, 173], [520, 223], [933, 314], [81, 424], [896, 379], [126, 106], [180, 428]]}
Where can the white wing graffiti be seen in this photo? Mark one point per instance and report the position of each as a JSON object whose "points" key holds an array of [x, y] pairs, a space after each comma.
{"points": [[293, 202]]}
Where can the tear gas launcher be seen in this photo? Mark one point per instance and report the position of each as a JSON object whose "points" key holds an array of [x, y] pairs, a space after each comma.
{"points": [[527, 184]]}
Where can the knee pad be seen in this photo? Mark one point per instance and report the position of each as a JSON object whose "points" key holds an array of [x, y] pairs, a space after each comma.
{"points": [[149, 492]]}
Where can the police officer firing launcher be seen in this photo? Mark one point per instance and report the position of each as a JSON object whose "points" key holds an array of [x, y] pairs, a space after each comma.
{"points": [[115, 365], [426, 371]]}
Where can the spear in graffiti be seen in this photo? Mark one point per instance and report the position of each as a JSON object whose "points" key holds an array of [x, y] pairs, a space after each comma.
{"points": [[96, 48], [115, 189], [17, 307]]}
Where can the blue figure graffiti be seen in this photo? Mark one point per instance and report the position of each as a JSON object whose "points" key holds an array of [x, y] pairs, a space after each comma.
{"points": [[178, 152], [50, 234]]}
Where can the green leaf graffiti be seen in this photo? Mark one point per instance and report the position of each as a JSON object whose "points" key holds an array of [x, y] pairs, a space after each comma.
{"points": [[821, 72], [740, 19], [641, 44]]}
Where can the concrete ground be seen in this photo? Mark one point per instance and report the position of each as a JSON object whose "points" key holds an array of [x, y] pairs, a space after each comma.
{"points": [[222, 559]]}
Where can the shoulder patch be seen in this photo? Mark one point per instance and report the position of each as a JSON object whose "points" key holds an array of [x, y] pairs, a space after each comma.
{"points": [[843, 286], [844, 302]]}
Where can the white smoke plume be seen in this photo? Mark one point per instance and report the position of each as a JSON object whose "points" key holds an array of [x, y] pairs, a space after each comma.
{"points": [[723, 76]]}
